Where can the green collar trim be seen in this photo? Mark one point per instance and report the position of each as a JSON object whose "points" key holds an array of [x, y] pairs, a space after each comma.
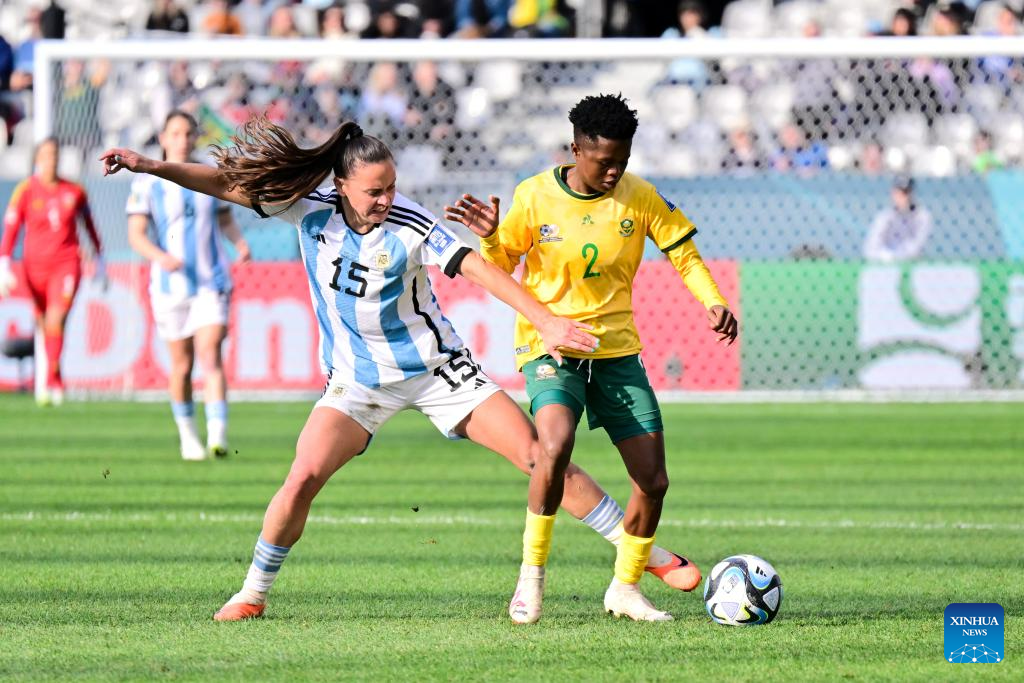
{"points": [[560, 173]]}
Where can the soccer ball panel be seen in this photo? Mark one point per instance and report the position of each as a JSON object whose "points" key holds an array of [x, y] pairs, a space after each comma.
{"points": [[742, 590]]}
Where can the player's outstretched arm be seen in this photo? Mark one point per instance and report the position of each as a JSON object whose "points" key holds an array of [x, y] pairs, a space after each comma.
{"points": [[556, 332], [198, 177], [474, 214]]}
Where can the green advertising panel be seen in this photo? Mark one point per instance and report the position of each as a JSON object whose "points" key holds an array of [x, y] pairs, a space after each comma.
{"points": [[953, 326]]}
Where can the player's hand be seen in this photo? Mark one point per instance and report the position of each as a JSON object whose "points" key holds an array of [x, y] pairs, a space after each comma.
{"points": [[566, 334], [722, 321], [169, 263], [7, 279], [117, 158], [474, 214], [244, 253]]}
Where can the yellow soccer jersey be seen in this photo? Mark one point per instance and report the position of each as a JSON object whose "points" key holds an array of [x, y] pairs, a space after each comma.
{"points": [[582, 253]]}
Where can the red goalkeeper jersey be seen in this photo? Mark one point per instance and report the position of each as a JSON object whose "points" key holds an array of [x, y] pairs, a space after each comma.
{"points": [[50, 214]]}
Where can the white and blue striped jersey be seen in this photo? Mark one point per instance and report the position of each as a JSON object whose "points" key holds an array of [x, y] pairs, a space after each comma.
{"points": [[379, 320], [186, 225]]}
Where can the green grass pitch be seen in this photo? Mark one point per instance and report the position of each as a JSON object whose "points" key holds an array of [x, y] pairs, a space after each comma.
{"points": [[116, 553]]}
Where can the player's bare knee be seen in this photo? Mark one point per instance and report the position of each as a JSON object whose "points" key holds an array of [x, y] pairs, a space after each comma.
{"points": [[303, 485], [656, 486], [555, 448]]}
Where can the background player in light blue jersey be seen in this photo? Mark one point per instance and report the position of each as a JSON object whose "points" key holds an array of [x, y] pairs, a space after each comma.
{"points": [[385, 345], [189, 284]]}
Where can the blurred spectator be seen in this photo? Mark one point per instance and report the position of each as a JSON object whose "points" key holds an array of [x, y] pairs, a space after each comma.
{"points": [[219, 20], [254, 15], [331, 20], [898, 233], [985, 158], [383, 104], [815, 97], [743, 157], [904, 24], [1007, 21], [795, 153], [437, 18], [282, 24], [387, 23], [52, 21], [167, 16], [76, 122], [872, 160], [332, 27], [482, 18], [177, 92], [950, 19], [691, 20], [1004, 68], [431, 113], [540, 18], [24, 56]]}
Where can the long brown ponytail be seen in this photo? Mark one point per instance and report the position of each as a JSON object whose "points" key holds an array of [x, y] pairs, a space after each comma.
{"points": [[266, 164]]}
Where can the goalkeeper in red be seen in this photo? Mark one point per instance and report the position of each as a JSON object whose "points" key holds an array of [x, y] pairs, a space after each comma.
{"points": [[50, 208], [581, 229]]}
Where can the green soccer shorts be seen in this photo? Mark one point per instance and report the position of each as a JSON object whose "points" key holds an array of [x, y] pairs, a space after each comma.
{"points": [[614, 391]]}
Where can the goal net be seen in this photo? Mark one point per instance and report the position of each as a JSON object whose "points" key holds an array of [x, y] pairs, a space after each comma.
{"points": [[859, 201]]}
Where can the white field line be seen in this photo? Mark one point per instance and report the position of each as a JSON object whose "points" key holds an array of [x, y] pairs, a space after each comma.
{"points": [[466, 520]]}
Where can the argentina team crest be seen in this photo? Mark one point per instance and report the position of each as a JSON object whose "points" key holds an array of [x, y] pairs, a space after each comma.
{"points": [[973, 633], [382, 260]]}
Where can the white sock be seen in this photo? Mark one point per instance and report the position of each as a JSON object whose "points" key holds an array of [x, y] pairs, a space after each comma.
{"points": [[216, 432], [216, 423], [185, 418], [606, 519], [266, 562]]}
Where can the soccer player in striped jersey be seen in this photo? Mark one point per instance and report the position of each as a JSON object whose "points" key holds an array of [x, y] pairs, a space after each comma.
{"points": [[384, 343], [189, 285], [581, 228], [50, 208]]}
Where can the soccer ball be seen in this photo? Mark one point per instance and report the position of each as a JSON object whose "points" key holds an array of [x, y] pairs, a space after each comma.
{"points": [[742, 590]]}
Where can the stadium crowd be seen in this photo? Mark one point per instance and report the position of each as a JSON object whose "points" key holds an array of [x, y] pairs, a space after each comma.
{"points": [[931, 116]]}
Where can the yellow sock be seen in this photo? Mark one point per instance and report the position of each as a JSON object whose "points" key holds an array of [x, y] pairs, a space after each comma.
{"points": [[537, 538], [631, 557]]}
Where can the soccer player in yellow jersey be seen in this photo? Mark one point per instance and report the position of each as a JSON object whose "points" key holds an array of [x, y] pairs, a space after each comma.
{"points": [[581, 229]]}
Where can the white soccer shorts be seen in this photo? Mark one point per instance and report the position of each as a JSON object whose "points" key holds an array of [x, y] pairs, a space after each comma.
{"points": [[446, 395], [181, 318]]}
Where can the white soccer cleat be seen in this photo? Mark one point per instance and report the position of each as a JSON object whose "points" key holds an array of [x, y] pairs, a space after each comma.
{"points": [[192, 449], [57, 396], [626, 600], [525, 607]]}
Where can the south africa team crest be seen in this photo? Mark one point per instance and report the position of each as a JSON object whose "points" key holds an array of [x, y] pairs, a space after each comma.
{"points": [[626, 227]]}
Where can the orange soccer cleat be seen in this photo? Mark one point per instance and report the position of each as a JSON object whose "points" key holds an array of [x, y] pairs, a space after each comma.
{"points": [[239, 611], [679, 573]]}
